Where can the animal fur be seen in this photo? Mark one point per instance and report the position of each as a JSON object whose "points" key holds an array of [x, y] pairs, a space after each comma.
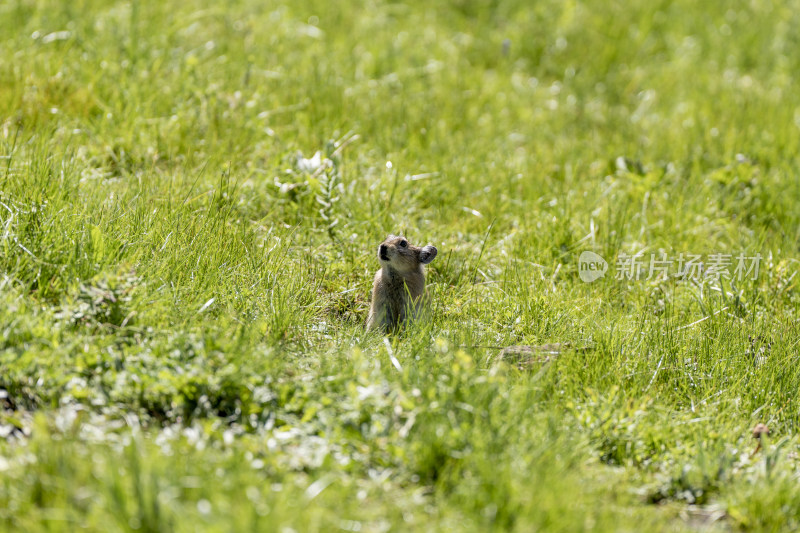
{"points": [[398, 290]]}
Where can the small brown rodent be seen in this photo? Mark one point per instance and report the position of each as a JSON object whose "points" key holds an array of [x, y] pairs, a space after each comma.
{"points": [[399, 285]]}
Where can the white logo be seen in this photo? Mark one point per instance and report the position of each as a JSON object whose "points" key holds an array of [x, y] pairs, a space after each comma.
{"points": [[591, 266]]}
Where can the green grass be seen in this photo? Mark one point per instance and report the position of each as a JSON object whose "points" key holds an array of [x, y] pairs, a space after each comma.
{"points": [[182, 302]]}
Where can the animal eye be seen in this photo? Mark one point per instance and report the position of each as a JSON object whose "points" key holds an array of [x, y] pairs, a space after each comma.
{"points": [[403, 244]]}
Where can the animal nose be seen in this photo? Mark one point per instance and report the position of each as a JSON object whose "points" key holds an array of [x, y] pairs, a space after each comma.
{"points": [[383, 249]]}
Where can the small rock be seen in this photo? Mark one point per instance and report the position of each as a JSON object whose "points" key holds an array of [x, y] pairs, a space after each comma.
{"points": [[759, 430], [525, 356]]}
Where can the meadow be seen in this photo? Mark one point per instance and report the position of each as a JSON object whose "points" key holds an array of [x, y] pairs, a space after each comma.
{"points": [[191, 198]]}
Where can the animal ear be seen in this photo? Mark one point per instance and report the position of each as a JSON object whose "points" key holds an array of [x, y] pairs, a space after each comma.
{"points": [[427, 254]]}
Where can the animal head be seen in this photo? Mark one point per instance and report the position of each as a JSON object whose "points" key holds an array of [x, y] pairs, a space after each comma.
{"points": [[402, 256]]}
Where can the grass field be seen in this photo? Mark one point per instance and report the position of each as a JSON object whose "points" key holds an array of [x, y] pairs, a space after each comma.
{"points": [[184, 285]]}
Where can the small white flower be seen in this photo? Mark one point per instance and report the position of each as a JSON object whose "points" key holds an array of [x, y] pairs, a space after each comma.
{"points": [[309, 165], [204, 506]]}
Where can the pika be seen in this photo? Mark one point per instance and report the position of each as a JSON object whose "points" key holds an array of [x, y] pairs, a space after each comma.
{"points": [[399, 286]]}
